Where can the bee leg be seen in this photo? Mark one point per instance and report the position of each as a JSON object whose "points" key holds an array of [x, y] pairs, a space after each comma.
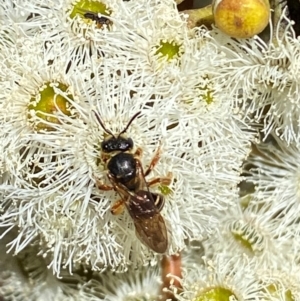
{"points": [[138, 153], [161, 180], [117, 208], [104, 158], [153, 162], [102, 186]]}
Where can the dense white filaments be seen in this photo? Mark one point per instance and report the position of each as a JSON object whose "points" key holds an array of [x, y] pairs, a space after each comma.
{"points": [[267, 74], [197, 92], [15, 24], [61, 166], [275, 174], [280, 284], [82, 38], [223, 276], [142, 284], [234, 277], [26, 276], [56, 170], [253, 233]]}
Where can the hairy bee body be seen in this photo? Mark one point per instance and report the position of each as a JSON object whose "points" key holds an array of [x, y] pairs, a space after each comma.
{"points": [[127, 177]]}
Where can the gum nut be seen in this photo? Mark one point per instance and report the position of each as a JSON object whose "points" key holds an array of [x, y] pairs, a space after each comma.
{"points": [[241, 18]]}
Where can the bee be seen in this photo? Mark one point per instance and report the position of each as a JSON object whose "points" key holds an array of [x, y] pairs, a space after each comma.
{"points": [[102, 20], [128, 179]]}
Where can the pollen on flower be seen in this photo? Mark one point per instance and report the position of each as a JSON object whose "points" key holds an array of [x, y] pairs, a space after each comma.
{"points": [[203, 95], [208, 97], [170, 50], [206, 93], [216, 294], [166, 52], [252, 233], [276, 291], [48, 102], [164, 189], [34, 171], [247, 236]]}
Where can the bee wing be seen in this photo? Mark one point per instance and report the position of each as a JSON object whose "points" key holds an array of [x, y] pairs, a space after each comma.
{"points": [[152, 232], [149, 224]]}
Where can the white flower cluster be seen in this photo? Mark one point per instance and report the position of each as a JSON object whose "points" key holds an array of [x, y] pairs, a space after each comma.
{"points": [[264, 77], [86, 86], [51, 139]]}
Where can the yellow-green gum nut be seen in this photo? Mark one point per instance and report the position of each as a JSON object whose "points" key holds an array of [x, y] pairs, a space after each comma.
{"points": [[92, 6], [241, 18], [49, 102], [215, 294]]}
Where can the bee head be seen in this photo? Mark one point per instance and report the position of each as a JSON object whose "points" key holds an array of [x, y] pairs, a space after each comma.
{"points": [[119, 143], [116, 143]]}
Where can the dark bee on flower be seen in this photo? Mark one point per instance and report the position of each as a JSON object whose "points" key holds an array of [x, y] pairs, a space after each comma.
{"points": [[128, 178], [96, 17]]}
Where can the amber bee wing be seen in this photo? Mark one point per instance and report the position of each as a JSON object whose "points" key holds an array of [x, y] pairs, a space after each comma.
{"points": [[153, 233], [149, 224], [143, 207]]}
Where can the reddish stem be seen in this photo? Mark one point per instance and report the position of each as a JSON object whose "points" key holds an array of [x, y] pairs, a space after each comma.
{"points": [[171, 265]]}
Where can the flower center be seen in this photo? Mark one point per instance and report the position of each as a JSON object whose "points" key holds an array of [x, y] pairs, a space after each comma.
{"points": [[48, 102], [247, 236], [216, 294], [277, 292], [169, 50]]}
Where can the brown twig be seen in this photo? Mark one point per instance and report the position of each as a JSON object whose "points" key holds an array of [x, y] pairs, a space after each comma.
{"points": [[171, 275]]}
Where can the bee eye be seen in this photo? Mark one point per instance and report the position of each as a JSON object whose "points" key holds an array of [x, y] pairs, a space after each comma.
{"points": [[104, 146], [129, 143]]}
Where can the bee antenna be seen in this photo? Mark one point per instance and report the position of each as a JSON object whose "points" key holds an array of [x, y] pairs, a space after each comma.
{"points": [[129, 123], [102, 124]]}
